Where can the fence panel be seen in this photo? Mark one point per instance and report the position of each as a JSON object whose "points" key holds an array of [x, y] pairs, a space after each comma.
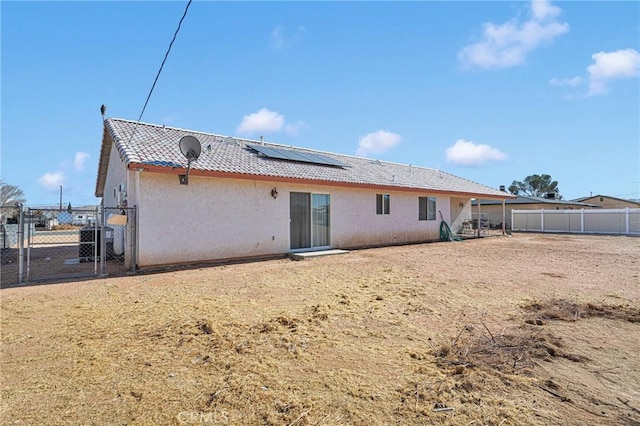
{"points": [[40, 244], [592, 221], [9, 244]]}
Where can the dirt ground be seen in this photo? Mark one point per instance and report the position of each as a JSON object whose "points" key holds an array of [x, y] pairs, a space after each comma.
{"points": [[530, 329]]}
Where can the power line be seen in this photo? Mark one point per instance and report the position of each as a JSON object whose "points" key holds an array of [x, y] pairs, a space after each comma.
{"points": [[160, 70]]}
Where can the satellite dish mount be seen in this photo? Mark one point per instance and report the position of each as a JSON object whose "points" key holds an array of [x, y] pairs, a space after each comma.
{"points": [[190, 148]]}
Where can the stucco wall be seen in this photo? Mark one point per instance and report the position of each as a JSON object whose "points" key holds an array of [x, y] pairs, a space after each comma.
{"points": [[214, 218], [116, 174], [355, 222]]}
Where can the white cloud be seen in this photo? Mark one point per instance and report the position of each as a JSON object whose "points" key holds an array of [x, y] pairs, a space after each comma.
{"points": [[467, 153], [571, 82], [52, 181], [80, 158], [294, 129], [377, 143], [543, 9], [279, 40], [262, 121], [610, 66], [506, 45]]}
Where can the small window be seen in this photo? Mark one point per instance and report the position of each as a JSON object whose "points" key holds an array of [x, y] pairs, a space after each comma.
{"points": [[383, 202], [426, 208]]}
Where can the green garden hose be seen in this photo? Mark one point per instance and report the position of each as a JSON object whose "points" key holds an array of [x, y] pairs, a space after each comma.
{"points": [[445, 231]]}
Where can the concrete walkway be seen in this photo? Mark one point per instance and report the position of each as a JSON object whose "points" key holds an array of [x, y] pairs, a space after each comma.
{"points": [[310, 254]]}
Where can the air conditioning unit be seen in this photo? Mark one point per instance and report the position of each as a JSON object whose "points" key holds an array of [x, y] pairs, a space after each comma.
{"points": [[121, 198], [121, 195]]}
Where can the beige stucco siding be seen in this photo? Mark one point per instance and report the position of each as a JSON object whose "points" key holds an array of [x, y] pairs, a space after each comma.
{"points": [[116, 174], [208, 219], [214, 218], [355, 222]]}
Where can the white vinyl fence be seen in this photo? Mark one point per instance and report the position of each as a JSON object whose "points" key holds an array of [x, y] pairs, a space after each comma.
{"points": [[590, 221]]}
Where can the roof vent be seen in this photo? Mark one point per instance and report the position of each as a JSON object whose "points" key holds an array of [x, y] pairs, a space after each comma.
{"points": [[550, 195]]}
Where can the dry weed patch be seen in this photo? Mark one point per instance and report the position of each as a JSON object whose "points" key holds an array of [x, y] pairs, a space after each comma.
{"points": [[564, 310]]}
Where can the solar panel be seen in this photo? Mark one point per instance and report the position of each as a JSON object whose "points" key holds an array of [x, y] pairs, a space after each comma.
{"points": [[303, 157]]}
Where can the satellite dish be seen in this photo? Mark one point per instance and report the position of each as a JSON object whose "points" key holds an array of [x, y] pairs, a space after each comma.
{"points": [[191, 149]]}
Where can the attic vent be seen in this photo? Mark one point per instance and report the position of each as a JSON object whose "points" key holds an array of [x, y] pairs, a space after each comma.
{"points": [[550, 195]]}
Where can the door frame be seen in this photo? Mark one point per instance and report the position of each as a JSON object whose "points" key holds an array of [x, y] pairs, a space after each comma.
{"points": [[310, 229]]}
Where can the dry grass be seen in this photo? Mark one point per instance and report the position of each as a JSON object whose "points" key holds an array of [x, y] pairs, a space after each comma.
{"points": [[564, 310], [425, 334]]}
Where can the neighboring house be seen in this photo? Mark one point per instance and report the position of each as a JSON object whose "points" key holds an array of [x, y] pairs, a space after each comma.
{"points": [[607, 202], [248, 199], [491, 210]]}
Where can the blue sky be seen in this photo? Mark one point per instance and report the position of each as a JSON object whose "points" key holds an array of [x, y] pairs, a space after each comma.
{"points": [[489, 91]]}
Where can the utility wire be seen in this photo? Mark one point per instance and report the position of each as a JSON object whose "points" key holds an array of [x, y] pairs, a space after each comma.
{"points": [[160, 70]]}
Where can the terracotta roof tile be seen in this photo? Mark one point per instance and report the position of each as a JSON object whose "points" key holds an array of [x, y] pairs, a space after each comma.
{"points": [[158, 145]]}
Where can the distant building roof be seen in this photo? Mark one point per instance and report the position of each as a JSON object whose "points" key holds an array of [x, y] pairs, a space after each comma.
{"points": [[536, 200], [606, 196], [155, 148]]}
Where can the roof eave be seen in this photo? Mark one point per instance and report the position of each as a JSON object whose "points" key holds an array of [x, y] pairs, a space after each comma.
{"points": [[246, 176], [103, 163]]}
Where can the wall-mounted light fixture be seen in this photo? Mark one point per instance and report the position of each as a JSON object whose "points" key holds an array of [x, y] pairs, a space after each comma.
{"points": [[460, 204], [274, 192]]}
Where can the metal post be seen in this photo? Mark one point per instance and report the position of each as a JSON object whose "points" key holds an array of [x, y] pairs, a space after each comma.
{"points": [[103, 242], [133, 227], [504, 216], [20, 245], [95, 247], [478, 218], [29, 244]]}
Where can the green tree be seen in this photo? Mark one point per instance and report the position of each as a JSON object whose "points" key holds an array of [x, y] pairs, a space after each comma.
{"points": [[10, 194], [535, 186]]}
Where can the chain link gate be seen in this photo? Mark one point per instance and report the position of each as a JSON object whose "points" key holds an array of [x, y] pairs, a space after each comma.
{"points": [[119, 226], [40, 244], [62, 244]]}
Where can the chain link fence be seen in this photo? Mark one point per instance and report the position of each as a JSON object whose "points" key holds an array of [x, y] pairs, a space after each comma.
{"points": [[9, 244], [43, 244]]}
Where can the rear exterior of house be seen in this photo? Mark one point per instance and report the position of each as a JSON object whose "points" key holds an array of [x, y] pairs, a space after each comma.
{"points": [[241, 203]]}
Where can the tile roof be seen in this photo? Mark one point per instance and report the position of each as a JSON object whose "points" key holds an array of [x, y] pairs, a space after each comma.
{"points": [[156, 145]]}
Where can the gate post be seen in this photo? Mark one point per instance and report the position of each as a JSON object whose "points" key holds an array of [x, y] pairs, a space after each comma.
{"points": [[20, 244], [103, 237]]}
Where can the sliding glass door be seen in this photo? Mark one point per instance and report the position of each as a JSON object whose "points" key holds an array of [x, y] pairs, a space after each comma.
{"points": [[309, 220]]}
